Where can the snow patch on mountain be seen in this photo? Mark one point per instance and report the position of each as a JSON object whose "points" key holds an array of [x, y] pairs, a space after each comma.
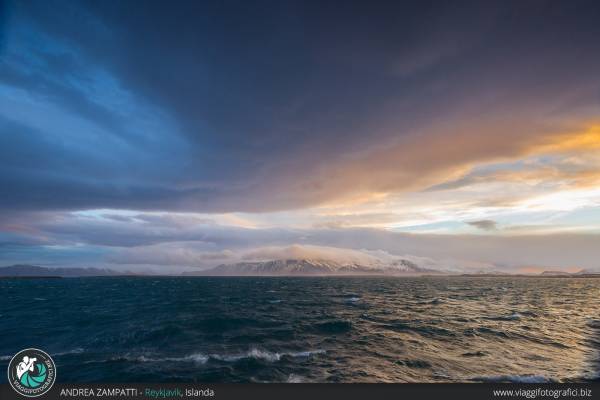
{"points": [[307, 267]]}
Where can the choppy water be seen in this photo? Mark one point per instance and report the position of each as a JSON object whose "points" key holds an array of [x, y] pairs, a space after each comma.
{"points": [[306, 329]]}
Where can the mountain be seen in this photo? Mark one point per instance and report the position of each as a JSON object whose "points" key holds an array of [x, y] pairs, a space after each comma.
{"points": [[307, 267], [579, 274], [35, 271], [555, 273], [588, 272]]}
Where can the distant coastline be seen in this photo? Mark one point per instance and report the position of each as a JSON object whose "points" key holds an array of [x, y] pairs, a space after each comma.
{"points": [[30, 277], [37, 272], [542, 275]]}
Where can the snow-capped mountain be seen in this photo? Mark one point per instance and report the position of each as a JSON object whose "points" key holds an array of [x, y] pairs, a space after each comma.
{"points": [[307, 267]]}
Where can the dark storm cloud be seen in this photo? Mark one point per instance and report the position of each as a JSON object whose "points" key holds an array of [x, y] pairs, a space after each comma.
{"points": [[271, 105]]}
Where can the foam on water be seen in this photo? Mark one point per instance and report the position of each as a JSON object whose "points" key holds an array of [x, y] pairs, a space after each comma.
{"points": [[77, 350], [201, 358], [293, 378], [265, 355], [195, 357]]}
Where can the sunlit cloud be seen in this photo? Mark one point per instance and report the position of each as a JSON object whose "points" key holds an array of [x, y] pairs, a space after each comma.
{"points": [[562, 175], [587, 140]]}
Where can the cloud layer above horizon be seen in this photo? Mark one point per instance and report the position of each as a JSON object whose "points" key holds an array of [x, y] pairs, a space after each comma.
{"points": [[194, 133]]}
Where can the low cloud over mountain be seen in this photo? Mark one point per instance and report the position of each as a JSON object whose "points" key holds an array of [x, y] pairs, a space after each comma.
{"points": [[308, 267]]}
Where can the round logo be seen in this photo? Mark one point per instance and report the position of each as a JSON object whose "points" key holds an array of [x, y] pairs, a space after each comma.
{"points": [[31, 372]]}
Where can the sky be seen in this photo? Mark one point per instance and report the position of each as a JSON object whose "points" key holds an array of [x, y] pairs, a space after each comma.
{"points": [[182, 135]]}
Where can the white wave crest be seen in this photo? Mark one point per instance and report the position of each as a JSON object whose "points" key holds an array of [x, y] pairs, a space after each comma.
{"points": [[77, 350], [201, 358], [264, 355]]}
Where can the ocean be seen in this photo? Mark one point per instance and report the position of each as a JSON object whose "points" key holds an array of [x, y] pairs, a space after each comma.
{"points": [[347, 329]]}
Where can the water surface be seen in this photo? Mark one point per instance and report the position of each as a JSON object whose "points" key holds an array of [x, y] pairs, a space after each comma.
{"points": [[199, 329]]}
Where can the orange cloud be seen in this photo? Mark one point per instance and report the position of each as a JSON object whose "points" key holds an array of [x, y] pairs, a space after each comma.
{"points": [[418, 161], [587, 140]]}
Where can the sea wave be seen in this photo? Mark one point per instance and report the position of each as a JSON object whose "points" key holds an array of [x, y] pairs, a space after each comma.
{"points": [[594, 324], [474, 354], [265, 355], [334, 326], [200, 358], [514, 379], [293, 378], [417, 364], [515, 316], [195, 357], [77, 350], [423, 330], [434, 301]]}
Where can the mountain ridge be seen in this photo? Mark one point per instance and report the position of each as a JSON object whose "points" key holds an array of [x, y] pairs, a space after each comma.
{"points": [[310, 267], [26, 270]]}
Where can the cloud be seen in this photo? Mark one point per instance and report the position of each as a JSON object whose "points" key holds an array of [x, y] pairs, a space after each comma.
{"points": [[484, 224], [167, 118], [503, 251], [132, 229], [173, 254], [47, 238], [372, 258], [195, 254], [296, 251], [568, 161], [355, 220], [190, 254], [128, 132]]}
